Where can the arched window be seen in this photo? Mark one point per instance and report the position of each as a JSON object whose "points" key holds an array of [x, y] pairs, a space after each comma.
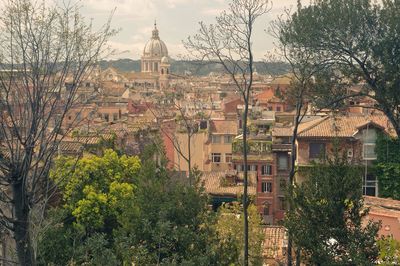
{"points": [[167, 70], [162, 71]]}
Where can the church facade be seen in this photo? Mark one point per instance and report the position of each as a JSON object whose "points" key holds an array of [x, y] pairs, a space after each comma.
{"points": [[155, 60], [155, 67]]}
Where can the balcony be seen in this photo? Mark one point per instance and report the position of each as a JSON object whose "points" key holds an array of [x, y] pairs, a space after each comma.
{"points": [[281, 147], [255, 146]]}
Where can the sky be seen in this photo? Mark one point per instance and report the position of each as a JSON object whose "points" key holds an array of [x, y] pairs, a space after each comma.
{"points": [[176, 20]]}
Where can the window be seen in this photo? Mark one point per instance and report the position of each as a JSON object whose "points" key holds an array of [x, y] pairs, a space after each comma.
{"points": [[106, 117], [282, 203], [369, 151], [228, 157], [266, 208], [278, 108], [317, 150], [115, 117], [266, 169], [216, 157], [253, 167], [227, 139], [282, 185], [282, 162], [370, 185], [215, 139], [266, 187]]}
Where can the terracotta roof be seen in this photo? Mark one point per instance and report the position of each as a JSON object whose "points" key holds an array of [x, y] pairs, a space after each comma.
{"points": [[340, 126], [275, 242], [224, 126], [92, 139], [265, 95], [138, 75], [213, 184], [383, 206], [70, 146]]}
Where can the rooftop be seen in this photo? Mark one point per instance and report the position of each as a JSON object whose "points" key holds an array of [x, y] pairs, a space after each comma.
{"points": [[341, 126], [215, 183]]}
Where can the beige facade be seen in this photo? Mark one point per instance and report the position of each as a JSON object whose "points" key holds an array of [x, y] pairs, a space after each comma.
{"points": [[198, 151], [211, 149]]}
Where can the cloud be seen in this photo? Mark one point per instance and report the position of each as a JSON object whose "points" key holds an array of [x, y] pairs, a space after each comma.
{"points": [[174, 3], [135, 9], [212, 11]]}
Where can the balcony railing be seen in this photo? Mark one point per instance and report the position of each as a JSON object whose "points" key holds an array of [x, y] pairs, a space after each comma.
{"points": [[281, 147], [254, 147]]}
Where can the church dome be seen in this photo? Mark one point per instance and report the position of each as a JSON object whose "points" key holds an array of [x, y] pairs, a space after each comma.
{"points": [[155, 47]]}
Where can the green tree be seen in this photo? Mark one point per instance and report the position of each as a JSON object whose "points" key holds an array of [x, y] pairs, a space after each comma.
{"points": [[96, 194], [358, 39], [171, 225], [326, 219], [388, 166], [118, 210], [389, 251], [228, 232]]}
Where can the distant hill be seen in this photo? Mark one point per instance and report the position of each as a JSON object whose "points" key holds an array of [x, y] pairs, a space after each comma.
{"points": [[180, 67]]}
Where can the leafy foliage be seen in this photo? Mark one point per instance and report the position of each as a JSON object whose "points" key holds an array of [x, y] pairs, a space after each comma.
{"points": [[170, 225], [326, 219], [118, 210], [96, 191], [389, 251], [388, 166], [229, 231], [358, 40]]}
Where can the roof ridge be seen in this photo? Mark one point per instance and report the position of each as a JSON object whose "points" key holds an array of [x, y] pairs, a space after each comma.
{"points": [[322, 119]]}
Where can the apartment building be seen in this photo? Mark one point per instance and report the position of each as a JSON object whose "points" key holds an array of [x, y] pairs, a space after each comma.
{"points": [[355, 136]]}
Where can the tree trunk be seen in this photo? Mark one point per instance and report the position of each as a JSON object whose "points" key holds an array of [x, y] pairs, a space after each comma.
{"points": [[21, 226], [245, 178], [298, 257], [293, 158], [189, 161]]}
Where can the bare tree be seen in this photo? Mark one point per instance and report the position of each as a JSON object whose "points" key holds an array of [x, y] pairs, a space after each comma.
{"points": [[45, 52], [229, 42]]}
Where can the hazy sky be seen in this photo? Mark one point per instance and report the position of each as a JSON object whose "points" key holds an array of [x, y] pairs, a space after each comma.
{"points": [[176, 20]]}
